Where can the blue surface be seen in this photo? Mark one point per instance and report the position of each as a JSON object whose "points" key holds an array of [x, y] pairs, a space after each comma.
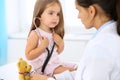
{"points": [[3, 34]]}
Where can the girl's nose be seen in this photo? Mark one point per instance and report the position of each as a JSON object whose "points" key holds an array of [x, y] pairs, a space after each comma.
{"points": [[56, 17]]}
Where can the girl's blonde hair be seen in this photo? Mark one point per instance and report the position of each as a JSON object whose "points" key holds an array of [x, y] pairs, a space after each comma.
{"points": [[39, 8]]}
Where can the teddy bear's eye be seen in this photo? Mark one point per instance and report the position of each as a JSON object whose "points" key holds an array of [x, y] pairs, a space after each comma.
{"points": [[25, 66]]}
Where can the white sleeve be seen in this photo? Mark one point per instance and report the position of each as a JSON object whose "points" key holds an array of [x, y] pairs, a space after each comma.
{"points": [[96, 66], [100, 65], [99, 69], [50, 79], [66, 75]]}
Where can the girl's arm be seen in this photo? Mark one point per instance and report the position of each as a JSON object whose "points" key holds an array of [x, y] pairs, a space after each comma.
{"points": [[59, 42], [32, 49]]}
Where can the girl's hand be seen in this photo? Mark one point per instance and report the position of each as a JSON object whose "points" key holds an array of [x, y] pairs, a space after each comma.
{"points": [[59, 42], [32, 49], [44, 41]]}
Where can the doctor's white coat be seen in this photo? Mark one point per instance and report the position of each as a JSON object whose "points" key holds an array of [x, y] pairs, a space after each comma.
{"points": [[101, 59]]}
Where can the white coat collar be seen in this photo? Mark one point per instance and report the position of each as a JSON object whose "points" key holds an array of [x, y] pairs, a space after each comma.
{"points": [[102, 27]]}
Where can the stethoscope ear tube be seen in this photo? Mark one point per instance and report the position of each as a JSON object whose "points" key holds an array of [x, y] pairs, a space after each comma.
{"points": [[34, 22]]}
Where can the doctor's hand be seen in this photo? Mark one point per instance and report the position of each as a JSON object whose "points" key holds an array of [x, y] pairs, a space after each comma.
{"points": [[59, 42]]}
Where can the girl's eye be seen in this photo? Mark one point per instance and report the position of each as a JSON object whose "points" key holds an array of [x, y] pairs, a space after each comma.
{"points": [[58, 14], [51, 13]]}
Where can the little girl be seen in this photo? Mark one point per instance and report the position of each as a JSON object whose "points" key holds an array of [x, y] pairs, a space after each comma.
{"points": [[46, 37]]}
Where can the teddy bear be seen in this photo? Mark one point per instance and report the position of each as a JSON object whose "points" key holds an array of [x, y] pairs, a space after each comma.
{"points": [[24, 69]]}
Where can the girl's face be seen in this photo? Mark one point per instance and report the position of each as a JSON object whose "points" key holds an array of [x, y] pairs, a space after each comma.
{"points": [[50, 17], [84, 15]]}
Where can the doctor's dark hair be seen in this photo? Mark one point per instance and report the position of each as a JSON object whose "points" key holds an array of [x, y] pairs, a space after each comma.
{"points": [[110, 7], [39, 8]]}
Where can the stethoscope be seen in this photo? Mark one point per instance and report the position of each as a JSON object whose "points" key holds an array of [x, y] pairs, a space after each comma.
{"points": [[36, 25], [49, 51]]}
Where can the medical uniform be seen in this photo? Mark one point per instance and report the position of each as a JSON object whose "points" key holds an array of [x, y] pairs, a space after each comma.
{"points": [[101, 58]]}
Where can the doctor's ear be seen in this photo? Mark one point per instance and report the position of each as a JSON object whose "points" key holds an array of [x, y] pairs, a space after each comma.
{"points": [[92, 11]]}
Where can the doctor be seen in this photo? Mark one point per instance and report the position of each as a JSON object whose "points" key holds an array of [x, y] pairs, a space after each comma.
{"points": [[101, 59]]}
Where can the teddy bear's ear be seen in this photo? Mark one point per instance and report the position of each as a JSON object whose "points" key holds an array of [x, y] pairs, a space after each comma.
{"points": [[18, 64], [20, 59]]}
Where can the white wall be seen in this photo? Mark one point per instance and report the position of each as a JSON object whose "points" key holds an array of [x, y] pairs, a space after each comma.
{"points": [[74, 46], [16, 48], [73, 50]]}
